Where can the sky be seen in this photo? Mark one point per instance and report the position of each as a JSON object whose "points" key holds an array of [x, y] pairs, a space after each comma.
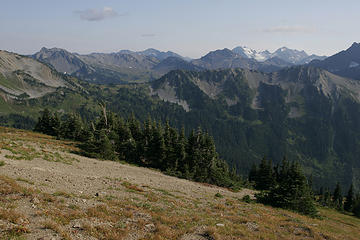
{"points": [[189, 27]]}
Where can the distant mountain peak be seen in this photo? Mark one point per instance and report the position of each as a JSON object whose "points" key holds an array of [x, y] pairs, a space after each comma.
{"points": [[220, 53], [251, 53], [292, 56], [345, 63], [354, 47], [355, 44]]}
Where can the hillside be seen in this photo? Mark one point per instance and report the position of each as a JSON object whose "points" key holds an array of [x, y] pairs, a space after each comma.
{"points": [[304, 113], [47, 192], [345, 63], [22, 77]]}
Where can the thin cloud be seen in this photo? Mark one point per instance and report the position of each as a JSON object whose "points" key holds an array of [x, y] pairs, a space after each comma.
{"points": [[290, 29], [148, 35], [97, 14]]}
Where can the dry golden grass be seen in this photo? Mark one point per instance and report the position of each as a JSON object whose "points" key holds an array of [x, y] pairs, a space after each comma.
{"points": [[238, 220], [49, 224], [132, 187], [12, 216], [23, 145]]}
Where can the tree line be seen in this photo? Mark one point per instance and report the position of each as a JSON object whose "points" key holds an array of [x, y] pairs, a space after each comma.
{"points": [[285, 185], [149, 144], [350, 203]]}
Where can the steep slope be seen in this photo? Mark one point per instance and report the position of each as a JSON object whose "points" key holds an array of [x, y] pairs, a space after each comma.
{"points": [[307, 114], [23, 77], [345, 63]]}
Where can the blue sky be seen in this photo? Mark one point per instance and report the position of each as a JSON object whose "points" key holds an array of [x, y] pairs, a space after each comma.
{"points": [[189, 27]]}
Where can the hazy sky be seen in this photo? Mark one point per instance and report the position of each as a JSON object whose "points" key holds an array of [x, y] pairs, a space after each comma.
{"points": [[189, 27]]}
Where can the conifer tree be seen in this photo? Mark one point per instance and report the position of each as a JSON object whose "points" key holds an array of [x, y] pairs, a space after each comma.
{"points": [[55, 125], [349, 201], [181, 151], [327, 198], [156, 153], [105, 149], [292, 191], [356, 208], [125, 145], [253, 173], [72, 127], [265, 176], [44, 123], [337, 198]]}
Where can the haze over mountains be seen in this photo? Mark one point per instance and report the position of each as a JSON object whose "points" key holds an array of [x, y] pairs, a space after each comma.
{"points": [[142, 66]]}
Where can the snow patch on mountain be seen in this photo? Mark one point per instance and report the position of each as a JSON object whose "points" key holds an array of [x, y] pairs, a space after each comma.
{"points": [[251, 53], [292, 56], [354, 64]]}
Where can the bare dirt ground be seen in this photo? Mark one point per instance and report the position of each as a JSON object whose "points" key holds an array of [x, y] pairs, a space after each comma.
{"points": [[90, 176]]}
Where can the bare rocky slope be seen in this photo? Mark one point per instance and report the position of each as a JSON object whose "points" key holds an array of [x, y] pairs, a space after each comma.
{"points": [[24, 77]]}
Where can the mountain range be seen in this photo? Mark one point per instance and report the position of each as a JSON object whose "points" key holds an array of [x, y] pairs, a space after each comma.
{"points": [[306, 113], [142, 66]]}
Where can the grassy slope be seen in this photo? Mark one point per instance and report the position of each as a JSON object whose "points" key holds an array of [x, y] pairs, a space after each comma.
{"points": [[27, 211]]}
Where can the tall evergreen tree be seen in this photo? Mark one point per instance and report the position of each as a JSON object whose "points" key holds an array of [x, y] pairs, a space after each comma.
{"points": [[292, 191], [45, 123], [356, 208], [265, 175], [337, 198], [181, 151], [253, 173], [105, 148], [72, 127], [349, 201], [156, 153]]}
